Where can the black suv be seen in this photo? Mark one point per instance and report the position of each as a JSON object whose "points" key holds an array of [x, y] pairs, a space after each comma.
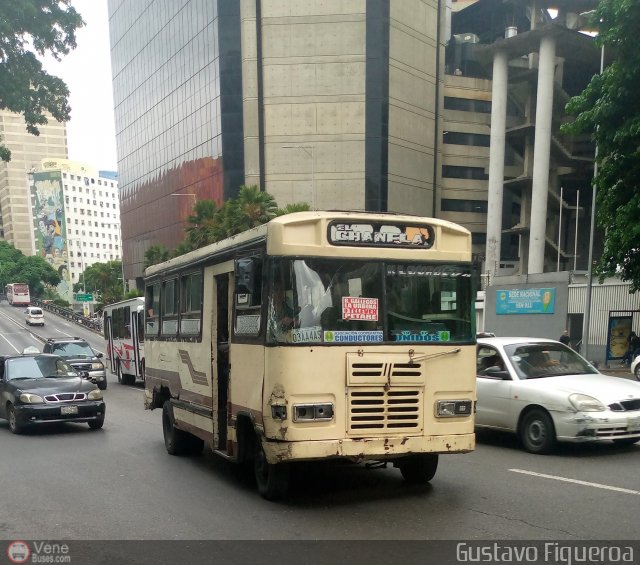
{"points": [[80, 355]]}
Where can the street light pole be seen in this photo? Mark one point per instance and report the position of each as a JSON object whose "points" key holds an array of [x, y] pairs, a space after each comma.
{"points": [[309, 150], [586, 320]]}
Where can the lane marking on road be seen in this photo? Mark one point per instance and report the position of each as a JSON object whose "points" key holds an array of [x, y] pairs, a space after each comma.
{"points": [[576, 481], [11, 344]]}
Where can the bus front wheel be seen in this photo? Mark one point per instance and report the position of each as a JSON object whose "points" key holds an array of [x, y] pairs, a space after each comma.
{"points": [[418, 469], [272, 479]]}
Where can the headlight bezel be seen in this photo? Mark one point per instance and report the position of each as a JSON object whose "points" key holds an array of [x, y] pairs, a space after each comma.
{"points": [[95, 394], [31, 398], [586, 403]]}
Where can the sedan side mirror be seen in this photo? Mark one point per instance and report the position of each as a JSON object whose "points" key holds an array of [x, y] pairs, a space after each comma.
{"points": [[99, 355], [496, 372]]}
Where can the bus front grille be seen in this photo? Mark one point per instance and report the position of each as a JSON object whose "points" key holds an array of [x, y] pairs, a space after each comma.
{"points": [[374, 410]]}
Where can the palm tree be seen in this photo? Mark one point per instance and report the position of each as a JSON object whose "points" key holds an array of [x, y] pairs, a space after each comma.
{"points": [[291, 208], [253, 207], [201, 222], [155, 254]]}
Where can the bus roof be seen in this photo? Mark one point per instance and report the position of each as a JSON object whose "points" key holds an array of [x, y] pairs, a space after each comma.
{"points": [[304, 233]]}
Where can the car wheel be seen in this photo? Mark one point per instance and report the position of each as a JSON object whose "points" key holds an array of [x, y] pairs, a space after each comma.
{"points": [[177, 442], [96, 424], [418, 469], [272, 480], [636, 372], [102, 385], [537, 433], [14, 426], [626, 440]]}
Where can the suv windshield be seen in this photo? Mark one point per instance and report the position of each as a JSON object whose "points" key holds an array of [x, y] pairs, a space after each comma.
{"points": [[347, 301], [537, 360], [73, 349]]}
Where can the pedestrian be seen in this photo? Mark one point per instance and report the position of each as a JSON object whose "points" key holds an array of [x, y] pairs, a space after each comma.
{"points": [[565, 338], [633, 349]]}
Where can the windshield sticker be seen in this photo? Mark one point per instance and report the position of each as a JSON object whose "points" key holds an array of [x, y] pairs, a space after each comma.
{"points": [[427, 271], [303, 335], [359, 308], [381, 235], [353, 337], [423, 336]]}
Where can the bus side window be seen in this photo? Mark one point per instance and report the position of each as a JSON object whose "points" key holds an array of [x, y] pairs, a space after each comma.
{"points": [[248, 296], [152, 309]]}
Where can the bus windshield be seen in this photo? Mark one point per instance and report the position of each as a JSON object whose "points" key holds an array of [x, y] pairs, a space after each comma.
{"points": [[336, 301]]}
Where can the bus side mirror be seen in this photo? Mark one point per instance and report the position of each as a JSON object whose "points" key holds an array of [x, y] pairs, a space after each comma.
{"points": [[246, 276]]}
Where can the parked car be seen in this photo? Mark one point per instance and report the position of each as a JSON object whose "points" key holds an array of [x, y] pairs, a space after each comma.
{"points": [[81, 356], [635, 367], [545, 392], [34, 316], [43, 389]]}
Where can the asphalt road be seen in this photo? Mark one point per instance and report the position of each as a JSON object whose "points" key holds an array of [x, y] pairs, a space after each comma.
{"points": [[69, 482]]}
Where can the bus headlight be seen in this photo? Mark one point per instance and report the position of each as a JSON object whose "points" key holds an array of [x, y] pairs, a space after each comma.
{"points": [[452, 408], [312, 412]]}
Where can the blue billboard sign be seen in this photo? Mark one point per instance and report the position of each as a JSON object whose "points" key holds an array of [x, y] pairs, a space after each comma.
{"points": [[526, 301]]}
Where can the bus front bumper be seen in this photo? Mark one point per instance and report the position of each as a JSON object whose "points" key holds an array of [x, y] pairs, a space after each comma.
{"points": [[363, 449]]}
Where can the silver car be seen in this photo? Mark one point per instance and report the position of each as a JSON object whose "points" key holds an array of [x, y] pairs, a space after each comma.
{"points": [[545, 392]]}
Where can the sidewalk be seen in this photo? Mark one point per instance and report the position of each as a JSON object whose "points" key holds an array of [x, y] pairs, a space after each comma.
{"points": [[616, 370]]}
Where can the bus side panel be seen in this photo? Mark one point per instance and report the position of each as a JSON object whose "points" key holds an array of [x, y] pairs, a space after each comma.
{"points": [[247, 372]]}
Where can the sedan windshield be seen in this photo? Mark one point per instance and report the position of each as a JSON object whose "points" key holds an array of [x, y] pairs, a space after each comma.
{"points": [[348, 301], [537, 360], [37, 367]]}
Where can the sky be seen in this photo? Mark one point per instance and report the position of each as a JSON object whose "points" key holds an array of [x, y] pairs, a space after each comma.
{"points": [[87, 72]]}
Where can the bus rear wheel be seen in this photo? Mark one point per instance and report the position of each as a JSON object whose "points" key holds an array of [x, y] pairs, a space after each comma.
{"points": [[418, 469], [177, 442], [272, 479]]}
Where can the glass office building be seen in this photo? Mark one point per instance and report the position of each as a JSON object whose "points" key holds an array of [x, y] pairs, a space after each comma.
{"points": [[178, 107], [327, 102]]}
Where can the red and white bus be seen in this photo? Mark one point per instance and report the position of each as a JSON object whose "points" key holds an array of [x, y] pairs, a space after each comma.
{"points": [[123, 324], [18, 294]]}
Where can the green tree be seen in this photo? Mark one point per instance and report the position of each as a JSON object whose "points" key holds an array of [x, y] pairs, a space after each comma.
{"points": [[156, 254], [36, 272], [200, 223], [29, 28], [609, 109], [104, 279], [9, 257], [291, 208], [252, 208]]}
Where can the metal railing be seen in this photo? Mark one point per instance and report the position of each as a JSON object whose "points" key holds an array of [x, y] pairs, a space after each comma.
{"points": [[89, 323]]}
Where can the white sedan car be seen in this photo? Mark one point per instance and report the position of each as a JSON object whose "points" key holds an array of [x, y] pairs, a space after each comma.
{"points": [[545, 392]]}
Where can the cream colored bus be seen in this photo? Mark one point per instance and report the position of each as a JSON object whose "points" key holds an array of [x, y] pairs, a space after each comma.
{"points": [[318, 335]]}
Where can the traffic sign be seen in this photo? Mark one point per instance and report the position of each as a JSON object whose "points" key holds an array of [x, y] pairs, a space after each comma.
{"points": [[81, 297]]}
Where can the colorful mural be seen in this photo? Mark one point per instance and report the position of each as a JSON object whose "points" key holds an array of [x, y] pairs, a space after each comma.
{"points": [[50, 226]]}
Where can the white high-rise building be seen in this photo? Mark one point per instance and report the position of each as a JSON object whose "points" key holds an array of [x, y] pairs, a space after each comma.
{"points": [[76, 213]]}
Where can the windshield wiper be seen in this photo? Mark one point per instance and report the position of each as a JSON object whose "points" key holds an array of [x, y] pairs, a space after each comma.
{"points": [[415, 359]]}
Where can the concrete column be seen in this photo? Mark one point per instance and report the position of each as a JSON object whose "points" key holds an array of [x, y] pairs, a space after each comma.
{"points": [[541, 150], [496, 160]]}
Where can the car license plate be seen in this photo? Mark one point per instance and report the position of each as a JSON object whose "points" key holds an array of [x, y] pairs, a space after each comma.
{"points": [[64, 410], [634, 424]]}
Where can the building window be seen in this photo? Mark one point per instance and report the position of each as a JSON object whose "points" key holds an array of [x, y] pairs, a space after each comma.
{"points": [[471, 206], [467, 105], [471, 173], [478, 238], [465, 138]]}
